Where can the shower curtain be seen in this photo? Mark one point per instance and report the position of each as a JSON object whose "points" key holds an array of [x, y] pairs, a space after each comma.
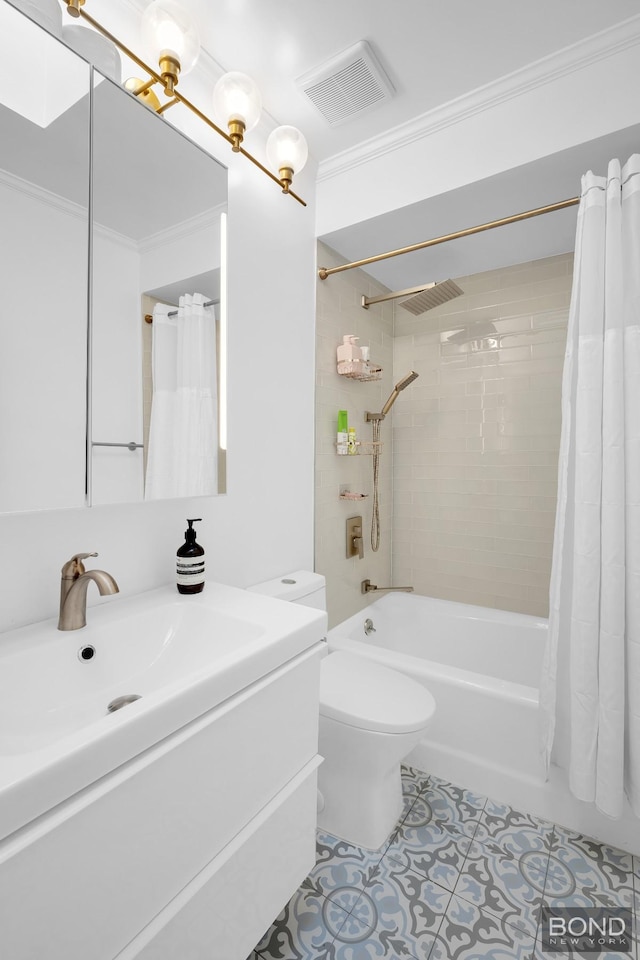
{"points": [[183, 437], [590, 691]]}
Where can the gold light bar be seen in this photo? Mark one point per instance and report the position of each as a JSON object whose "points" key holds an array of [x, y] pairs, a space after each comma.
{"points": [[324, 272], [75, 8]]}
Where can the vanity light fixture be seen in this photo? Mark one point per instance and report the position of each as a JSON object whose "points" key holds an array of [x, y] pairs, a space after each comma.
{"points": [[237, 102], [170, 37], [287, 151]]}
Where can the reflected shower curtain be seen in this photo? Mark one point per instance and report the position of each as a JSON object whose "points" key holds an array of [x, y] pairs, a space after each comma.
{"points": [[590, 691], [183, 436]]}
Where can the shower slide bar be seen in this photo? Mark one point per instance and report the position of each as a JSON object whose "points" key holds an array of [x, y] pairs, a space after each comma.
{"points": [[174, 313], [324, 272]]}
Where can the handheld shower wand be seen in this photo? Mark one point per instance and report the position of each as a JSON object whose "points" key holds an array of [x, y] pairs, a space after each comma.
{"points": [[395, 393], [375, 419]]}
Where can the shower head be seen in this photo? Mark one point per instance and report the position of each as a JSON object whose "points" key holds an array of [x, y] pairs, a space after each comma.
{"points": [[400, 385], [433, 296]]}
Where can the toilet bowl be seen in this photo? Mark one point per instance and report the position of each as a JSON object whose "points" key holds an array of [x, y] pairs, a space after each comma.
{"points": [[371, 717]]}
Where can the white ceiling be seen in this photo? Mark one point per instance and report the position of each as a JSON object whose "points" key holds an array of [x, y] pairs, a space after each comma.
{"points": [[433, 51]]}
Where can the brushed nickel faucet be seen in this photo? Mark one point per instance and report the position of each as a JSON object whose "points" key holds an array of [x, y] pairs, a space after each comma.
{"points": [[73, 591]]}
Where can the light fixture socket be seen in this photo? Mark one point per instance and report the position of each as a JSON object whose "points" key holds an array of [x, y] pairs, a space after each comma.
{"points": [[169, 71], [73, 7], [285, 175], [142, 90], [236, 132]]}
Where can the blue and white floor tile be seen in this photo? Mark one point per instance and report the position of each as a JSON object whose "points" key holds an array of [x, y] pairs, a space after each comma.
{"points": [[461, 878]]}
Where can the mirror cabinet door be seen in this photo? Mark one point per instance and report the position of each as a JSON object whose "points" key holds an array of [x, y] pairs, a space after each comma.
{"points": [[158, 205], [44, 249]]}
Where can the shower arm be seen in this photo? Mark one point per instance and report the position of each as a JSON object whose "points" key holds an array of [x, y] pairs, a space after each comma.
{"points": [[367, 587]]}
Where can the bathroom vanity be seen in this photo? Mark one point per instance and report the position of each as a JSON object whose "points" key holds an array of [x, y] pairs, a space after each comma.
{"points": [[179, 825]]}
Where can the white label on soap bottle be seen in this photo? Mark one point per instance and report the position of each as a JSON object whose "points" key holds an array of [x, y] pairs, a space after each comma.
{"points": [[189, 571]]}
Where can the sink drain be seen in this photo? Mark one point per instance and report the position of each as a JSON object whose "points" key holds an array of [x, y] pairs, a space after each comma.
{"points": [[122, 702]]}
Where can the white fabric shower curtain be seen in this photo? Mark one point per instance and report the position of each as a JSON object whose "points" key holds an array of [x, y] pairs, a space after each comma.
{"points": [[590, 691], [183, 436]]}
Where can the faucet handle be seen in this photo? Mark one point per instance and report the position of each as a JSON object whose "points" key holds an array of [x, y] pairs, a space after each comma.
{"points": [[74, 568]]}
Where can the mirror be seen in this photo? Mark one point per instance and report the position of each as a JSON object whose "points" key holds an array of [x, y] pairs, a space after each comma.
{"points": [[159, 204], [44, 250]]}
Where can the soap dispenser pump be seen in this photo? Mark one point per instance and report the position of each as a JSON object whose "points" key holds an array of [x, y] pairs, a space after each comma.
{"points": [[190, 562]]}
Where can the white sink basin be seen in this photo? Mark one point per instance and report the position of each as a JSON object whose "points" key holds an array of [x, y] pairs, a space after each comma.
{"points": [[180, 655]]}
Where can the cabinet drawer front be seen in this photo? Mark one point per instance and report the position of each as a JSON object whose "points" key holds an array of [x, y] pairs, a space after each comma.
{"points": [[98, 868], [226, 910]]}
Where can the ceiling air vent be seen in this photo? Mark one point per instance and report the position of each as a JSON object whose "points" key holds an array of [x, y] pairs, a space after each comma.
{"points": [[348, 84]]}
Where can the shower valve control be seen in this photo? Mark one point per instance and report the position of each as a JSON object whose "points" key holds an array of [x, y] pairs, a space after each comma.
{"points": [[355, 541]]}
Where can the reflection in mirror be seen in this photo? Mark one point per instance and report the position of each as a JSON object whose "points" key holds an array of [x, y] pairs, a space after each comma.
{"points": [[157, 408], [44, 191]]}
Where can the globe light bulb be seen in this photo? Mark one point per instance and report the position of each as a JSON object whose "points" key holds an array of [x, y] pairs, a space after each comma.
{"points": [[237, 103], [171, 39], [287, 152]]}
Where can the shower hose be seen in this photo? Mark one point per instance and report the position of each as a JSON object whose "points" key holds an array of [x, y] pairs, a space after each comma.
{"points": [[375, 507]]}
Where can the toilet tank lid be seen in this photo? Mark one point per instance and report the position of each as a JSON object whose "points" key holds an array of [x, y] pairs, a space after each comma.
{"points": [[361, 693], [291, 586]]}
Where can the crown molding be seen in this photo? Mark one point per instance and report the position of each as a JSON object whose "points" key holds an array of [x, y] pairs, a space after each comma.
{"points": [[570, 59], [33, 190], [185, 229]]}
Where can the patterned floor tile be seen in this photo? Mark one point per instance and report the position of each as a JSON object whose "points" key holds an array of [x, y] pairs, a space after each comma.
{"points": [[503, 886], [504, 829], [304, 930], [584, 872], [413, 781], [455, 807], [342, 870], [468, 933], [429, 848], [398, 915]]}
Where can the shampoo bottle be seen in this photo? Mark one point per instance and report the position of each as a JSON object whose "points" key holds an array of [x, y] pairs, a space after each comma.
{"points": [[190, 562], [343, 433]]}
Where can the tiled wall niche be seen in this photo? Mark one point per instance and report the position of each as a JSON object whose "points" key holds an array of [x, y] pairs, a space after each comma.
{"points": [[476, 438]]}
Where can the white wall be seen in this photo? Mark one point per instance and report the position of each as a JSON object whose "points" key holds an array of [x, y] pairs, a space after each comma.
{"points": [[565, 100], [264, 526], [116, 362], [43, 348]]}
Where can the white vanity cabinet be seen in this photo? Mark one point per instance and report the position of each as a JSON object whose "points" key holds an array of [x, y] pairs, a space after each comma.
{"points": [[187, 851]]}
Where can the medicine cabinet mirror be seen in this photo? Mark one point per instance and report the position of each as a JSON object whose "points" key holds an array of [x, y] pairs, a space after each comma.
{"points": [[159, 205], [75, 349], [44, 251]]}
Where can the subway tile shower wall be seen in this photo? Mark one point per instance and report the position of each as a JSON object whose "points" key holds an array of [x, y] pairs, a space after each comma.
{"points": [[476, 438]]}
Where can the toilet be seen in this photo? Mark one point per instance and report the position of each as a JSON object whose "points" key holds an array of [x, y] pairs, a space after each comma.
{"points": [[371, 717]]}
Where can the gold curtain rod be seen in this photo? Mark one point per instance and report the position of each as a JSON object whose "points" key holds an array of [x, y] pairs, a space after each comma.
{"points": [[324, 272], [176, 95]]}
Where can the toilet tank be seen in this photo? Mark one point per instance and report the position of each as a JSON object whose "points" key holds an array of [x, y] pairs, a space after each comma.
{"points": [[301, 586]]}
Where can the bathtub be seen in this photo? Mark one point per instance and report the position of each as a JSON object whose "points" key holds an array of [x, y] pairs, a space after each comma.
{"points": [[483, 668]]}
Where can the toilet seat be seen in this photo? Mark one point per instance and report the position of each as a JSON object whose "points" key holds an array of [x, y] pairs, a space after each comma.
{"points": [[360, 693]]}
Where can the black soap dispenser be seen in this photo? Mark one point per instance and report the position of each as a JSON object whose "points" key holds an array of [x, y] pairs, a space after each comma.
{"points": [[190, 562]]}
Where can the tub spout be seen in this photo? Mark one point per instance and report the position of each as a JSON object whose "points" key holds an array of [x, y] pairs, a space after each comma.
{"points": [[367, 587]]}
